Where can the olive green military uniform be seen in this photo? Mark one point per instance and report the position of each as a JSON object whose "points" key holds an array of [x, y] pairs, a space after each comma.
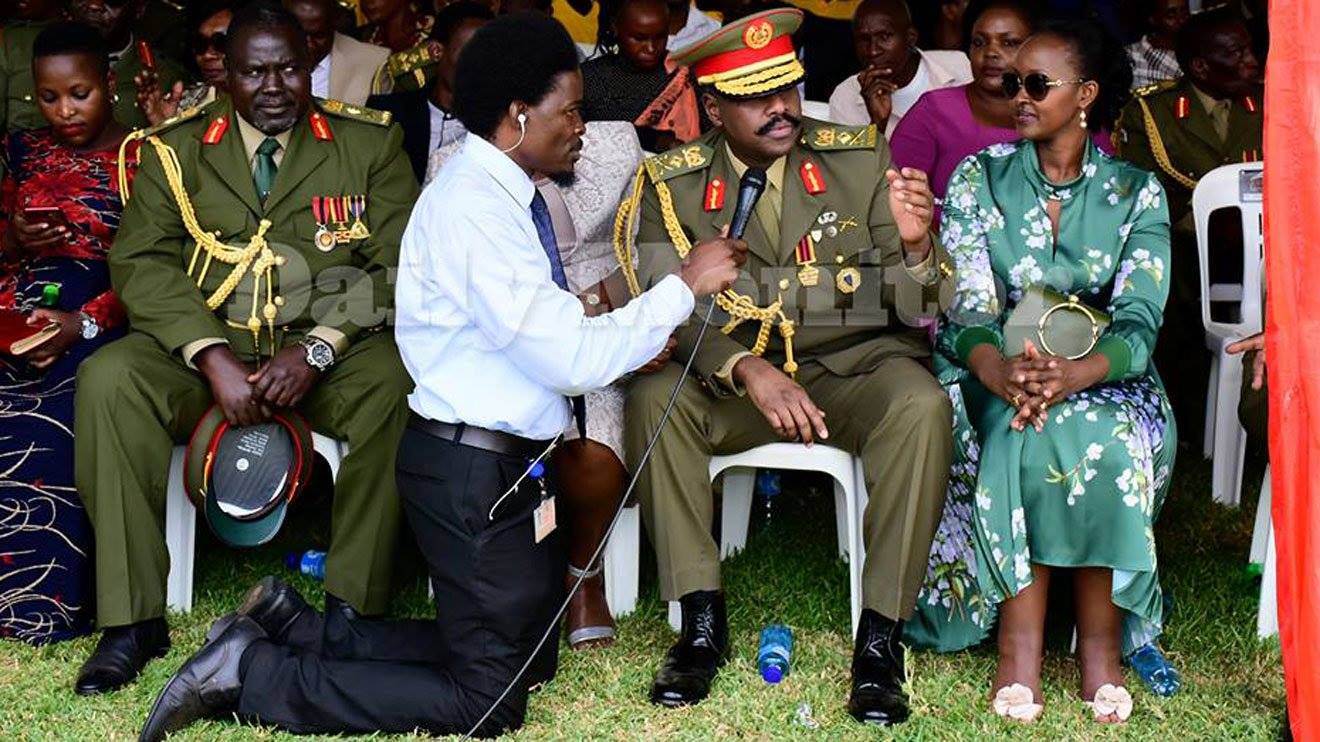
{"points": [[18, 110], [126, 67], [138, 397], [1189, 139], [1181, 133], [825, 208]]}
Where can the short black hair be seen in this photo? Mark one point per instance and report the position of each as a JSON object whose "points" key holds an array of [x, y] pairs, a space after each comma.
{"points": [[1099, 57], [200, 10], [1196, 37], [454, 15], [513, 58], [66, 38], [267, 15], [1030, 10]]}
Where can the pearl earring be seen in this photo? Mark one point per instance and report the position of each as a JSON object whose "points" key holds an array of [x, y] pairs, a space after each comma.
{"points": [[1083, 121]]}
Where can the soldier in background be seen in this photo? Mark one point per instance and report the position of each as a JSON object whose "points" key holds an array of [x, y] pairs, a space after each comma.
{"points": [[130, 52]]}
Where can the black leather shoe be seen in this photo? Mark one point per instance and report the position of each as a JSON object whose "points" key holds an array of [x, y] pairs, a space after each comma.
{"points": [[273, 603], [691, 664], [121, 654], [208, 683], [877, 672], [335, 605]]}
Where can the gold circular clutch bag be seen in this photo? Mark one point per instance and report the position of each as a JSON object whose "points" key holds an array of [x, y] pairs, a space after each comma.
{"points": [[1061, 325]]}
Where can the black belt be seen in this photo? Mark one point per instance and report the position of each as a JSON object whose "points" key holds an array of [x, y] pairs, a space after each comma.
{"points": [[494, 441]]}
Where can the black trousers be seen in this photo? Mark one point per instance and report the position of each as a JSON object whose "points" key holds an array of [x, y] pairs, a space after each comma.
{"points": [[495, 592]]}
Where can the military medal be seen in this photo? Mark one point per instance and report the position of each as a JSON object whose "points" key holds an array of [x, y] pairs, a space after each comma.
{"points": [[339, 214], [811, 178], [714, 200], [848, 280], [323, 239], [358, 205], [808, 273]]}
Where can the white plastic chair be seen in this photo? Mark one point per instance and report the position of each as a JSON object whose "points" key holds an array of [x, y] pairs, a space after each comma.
{"points": [[181, 522], [739, 475], [1225, 440], [1267, 616], [622, 555]]}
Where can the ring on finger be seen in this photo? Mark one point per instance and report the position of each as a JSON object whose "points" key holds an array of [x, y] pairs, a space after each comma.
{"points": [[1017, 399]]}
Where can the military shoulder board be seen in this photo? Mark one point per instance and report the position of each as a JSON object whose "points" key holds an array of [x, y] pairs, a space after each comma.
{"points": [[1153, 88], [830, 137], [356, 113], [677, 161], [172, 121]]}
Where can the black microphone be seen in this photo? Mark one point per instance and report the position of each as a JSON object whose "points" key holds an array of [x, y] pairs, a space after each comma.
{"points": [[749, 190]]}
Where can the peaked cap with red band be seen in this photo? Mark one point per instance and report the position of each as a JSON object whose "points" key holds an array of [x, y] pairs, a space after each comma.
{"points": [[748, 58]]}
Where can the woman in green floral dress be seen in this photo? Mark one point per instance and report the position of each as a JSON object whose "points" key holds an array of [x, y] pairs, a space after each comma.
{"points": [[1063, 463]]}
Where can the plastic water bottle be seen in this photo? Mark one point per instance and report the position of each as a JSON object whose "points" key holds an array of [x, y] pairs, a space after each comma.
{"points": [[776, 649], [769, 484], [310, 563]]}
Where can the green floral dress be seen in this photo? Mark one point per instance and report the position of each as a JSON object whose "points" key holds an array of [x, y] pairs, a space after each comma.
{"points": [[1084, 492]]}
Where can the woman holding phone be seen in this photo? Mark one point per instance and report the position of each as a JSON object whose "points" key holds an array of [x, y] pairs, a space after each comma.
{"points": [[59, 210]]}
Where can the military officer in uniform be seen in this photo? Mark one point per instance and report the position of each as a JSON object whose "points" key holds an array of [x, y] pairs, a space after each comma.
{"points": [[119, 24], [18, 110], [252, 260], [812, 344], [1181, 130]]}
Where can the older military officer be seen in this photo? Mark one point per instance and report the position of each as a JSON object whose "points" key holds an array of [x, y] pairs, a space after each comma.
{"points": [[252, 262], [839, 256]]}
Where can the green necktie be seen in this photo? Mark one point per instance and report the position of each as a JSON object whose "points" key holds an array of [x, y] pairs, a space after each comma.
{"points": [[264, 174]]}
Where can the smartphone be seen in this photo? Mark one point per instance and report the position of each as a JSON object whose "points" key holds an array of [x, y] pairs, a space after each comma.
{"points": [[50, 215], [144, 53]]}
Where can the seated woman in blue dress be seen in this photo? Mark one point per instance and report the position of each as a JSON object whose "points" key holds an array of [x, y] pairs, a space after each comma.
{"points": [[59, 210], [1062, 463]]}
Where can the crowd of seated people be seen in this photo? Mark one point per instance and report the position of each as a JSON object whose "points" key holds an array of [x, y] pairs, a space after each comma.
{"points": [[992, 152]]}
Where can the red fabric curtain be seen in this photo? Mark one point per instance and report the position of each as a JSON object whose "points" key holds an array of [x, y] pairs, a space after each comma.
{"points": [[1292, 341]]}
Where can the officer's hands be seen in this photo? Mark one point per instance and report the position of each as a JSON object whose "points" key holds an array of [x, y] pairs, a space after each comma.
{"points": [[878, 94], [783, 401], [155, 105], [33, 236], [230, 387], [1257, 343], [285, 379], [42, 356], [657, 363], [913, 207], [713, 265]]}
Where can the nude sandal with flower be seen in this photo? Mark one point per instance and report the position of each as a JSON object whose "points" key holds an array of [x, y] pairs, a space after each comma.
{"points": [[1111, 700], [1017, 702]]}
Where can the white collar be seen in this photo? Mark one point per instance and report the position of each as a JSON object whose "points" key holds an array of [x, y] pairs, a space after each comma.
{"points": [[502, 168]]}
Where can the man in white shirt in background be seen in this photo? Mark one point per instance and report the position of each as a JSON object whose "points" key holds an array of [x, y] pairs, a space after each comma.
{"points": [[345, 68], [688, 24], [895, 73]]}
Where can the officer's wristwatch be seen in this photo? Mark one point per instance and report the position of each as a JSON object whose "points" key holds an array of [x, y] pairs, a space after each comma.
{"points": [[89, 327], [320, 354]]}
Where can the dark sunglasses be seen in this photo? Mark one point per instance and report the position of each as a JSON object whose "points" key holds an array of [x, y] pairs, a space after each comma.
{"points": [[201, 43], [1037, 84]]}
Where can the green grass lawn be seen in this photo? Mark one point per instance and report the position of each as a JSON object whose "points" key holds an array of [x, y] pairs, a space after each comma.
{"points": [[1233, 685]]}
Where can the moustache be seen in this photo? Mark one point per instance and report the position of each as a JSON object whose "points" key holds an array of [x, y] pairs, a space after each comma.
{"points": [[779, 118]]}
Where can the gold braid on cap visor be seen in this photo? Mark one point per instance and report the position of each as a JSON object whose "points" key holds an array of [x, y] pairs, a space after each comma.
{"points": [[757, 79]]}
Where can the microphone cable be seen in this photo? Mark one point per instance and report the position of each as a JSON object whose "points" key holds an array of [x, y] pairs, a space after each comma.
{"points": [[618, 513]]}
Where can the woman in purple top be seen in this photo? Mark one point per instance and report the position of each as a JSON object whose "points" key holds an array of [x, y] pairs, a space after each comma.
{"points": [[945, 126]]}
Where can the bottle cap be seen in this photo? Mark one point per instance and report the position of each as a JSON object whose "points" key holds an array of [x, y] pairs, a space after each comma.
{"points": [[50, 295], [772, 673], [537, 471]]}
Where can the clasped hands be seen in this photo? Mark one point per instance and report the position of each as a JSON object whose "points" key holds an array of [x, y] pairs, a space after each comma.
{"points": [[1032, 382], [248, 396]]}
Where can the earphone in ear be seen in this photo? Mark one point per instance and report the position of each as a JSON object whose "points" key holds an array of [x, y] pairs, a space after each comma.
{"points": [[522, 118], [522, 133]]}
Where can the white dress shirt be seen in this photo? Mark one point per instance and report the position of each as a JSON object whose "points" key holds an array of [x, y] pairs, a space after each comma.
{"points": [[483, 330], [698, 26], [321, 78], [937, 69]]}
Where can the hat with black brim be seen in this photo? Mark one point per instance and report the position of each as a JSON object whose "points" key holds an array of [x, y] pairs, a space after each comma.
{"points": [[748, 58], [242, 478]]}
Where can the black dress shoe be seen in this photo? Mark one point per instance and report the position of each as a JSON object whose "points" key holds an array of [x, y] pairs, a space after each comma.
{"points": [[208, 683], [273, 603], [691, 664], [121, 654], [877, 672]]}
